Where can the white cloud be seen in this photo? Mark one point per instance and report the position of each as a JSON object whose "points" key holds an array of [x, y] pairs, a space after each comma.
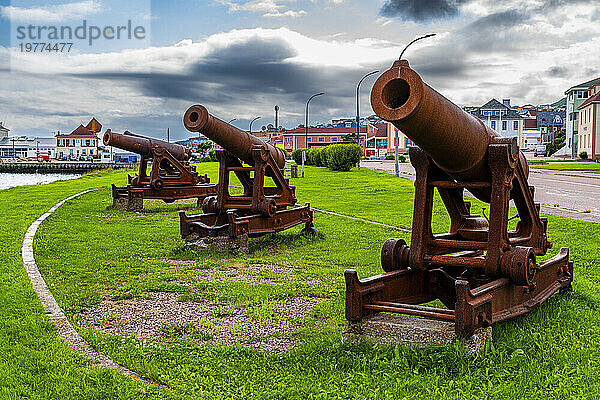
{"points": [[269, 8], [288, 13], [54, 13]]}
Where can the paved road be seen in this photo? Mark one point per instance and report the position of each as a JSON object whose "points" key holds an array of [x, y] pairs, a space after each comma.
{"points": [[566, 193]]}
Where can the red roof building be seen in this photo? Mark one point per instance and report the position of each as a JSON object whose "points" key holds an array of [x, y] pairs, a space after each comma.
{"points": [[323, 136], [82, 142]]}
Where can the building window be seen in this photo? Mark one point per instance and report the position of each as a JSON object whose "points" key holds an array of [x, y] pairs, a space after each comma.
{"points": [[516, 126], [334, 139], [321, 139], [503, 125], [309, 139], [493, 124], [78, 142]]}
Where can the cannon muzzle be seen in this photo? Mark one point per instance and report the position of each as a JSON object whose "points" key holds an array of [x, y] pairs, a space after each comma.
{"points": [[455, 140], [232, 139], [143, 145]]}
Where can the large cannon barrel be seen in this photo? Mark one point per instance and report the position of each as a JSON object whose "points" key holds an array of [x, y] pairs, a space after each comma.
{"points": [[453, 138], [143, 145], [232, 139]]}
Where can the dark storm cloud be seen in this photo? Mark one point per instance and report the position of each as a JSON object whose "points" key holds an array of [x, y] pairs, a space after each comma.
{"points": [[250, 75], [557, 71], [498, 20], [421, 10]]}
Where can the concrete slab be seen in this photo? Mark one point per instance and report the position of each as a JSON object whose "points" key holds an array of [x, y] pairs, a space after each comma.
{"points": [[127, 204], [389, 329], [238, 245]]}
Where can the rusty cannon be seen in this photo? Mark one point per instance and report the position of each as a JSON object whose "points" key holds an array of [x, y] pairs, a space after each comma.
{"points": [[262, 207], [484, 269], [172, 177]]}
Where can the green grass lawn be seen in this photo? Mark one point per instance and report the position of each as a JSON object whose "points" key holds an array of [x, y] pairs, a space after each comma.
{"points": [[588, 167], [90, 254]]}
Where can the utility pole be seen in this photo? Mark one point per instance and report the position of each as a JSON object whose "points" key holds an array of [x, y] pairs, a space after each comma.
{"points": [[168, 135], [358, 112]]}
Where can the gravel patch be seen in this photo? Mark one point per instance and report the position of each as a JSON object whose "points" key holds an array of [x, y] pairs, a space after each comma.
{"points": [[161, 316], [269, 274]]}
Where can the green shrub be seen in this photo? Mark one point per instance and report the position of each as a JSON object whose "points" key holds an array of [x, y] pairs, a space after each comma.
{"points": [[583, 155], [310, 157], [205, 159], [313, 157], [401, 157], [297, 156], [324, 152], [342, 157], [212, 154]]}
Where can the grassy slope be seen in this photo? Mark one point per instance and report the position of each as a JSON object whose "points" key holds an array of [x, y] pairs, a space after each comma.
{"points": [[34, 363], [595, 168], [553, 352]]}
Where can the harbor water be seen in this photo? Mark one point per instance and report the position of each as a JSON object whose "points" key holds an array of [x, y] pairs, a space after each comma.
{"points": [[8, 180]]}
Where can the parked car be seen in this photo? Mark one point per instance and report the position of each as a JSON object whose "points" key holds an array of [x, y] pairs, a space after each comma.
{"points": [[540, 151]]}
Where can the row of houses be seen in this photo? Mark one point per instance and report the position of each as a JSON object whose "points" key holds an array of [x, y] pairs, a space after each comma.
{"points": [[82, 143]]}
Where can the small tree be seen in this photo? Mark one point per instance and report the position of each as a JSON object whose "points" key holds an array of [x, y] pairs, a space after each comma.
{"points": [[557, 143], [583, 155]]}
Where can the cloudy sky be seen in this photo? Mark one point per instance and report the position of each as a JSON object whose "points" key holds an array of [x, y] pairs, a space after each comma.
{"points": [[240, 58]]}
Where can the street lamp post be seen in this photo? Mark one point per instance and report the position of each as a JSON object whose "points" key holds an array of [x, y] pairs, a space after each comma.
{"points": [[252, 122], [357, 108], [37, 150], [397, 165], [306, 123]]}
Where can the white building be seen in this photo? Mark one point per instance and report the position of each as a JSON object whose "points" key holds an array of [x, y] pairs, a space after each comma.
{"points": [[576, 95], [500, 117], [530, 138], [27, 147]]}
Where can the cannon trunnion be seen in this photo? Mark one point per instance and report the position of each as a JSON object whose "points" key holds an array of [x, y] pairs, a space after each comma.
{"points": [[482, 271], [260, 209], [172, 177]]}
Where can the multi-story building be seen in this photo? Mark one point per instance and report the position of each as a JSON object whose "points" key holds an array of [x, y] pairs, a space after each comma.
{"points": [[589, 123], [82, 142], [549, 123], [500, 117], [383, 143], [576, 95]]}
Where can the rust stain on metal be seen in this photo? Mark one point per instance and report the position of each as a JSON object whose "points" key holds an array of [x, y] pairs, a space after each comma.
{"points": [[482, 271], [172, 177], [260, 209]]}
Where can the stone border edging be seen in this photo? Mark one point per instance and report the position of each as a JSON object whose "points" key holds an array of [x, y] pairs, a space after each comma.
{"points": [[64, 328]]}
